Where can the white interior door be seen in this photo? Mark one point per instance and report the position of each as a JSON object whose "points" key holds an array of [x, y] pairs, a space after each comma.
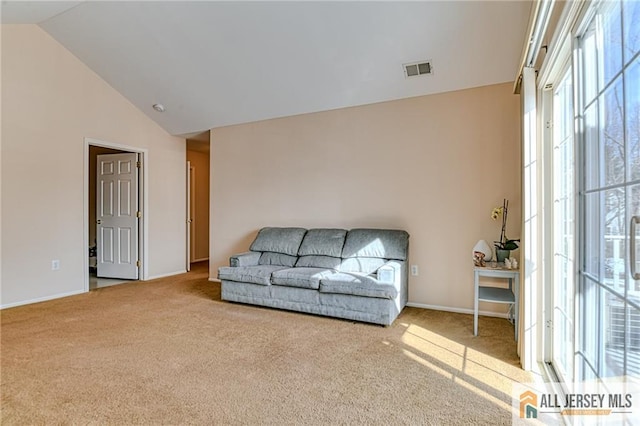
{"points": [[117, 216]]}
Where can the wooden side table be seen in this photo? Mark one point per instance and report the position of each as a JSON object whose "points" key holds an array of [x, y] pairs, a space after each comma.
{"points": [[496, 294]]}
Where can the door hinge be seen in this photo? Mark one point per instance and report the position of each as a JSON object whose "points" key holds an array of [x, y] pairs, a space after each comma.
{"points": [[549, 124], [138, 263], [138, 214], [138, 164], [549, 323]]}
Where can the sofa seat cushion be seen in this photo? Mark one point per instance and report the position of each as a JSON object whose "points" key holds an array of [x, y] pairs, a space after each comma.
{"points": [[249, 274], [357, 285], [301, 277]]}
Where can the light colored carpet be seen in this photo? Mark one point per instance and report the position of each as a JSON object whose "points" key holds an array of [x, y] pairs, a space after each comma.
{"points": [[169, 351]]}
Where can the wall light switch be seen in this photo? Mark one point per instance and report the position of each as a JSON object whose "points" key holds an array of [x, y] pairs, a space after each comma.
{"points": [[414, 270], [55, 265]]}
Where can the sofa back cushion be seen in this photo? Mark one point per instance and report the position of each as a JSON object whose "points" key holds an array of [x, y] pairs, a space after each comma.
{"points": [[378, 243], [323, 242], [270, 258], [279, 240], [365, 265], [319, 262]]}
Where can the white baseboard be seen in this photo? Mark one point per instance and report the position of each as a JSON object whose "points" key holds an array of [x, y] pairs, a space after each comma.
{"points": [[214, 280], [41, 299], [199, 260], [169, 274], [457, 310]]}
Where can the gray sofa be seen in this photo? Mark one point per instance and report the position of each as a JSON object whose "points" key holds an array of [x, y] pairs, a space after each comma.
{"points": [[359, 274]]}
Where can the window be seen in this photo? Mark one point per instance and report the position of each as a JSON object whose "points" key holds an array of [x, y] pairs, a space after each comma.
{"points": [[594, 303], [608, 327]]}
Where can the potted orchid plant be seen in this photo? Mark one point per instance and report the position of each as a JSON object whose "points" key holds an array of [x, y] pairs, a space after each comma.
{"points": [[504, 245]]}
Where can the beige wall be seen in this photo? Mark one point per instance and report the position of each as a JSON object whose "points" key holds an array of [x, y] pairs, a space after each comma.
{"points": [[50, 103], [200, 205], [433, 165]]}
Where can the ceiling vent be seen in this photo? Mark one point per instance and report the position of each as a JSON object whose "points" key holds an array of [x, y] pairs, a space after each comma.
{"points": [[417, 69]]}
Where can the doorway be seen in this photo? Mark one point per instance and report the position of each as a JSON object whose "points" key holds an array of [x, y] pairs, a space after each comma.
{"points": [[198, 175], [95, 149]]}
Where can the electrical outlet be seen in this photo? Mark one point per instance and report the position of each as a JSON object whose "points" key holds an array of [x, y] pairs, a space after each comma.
{"points": [[414, 270], [55, 265]]}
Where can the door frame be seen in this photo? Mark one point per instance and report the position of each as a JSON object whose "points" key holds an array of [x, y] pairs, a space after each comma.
{"points": [[189, 216], [143, 228], [552, 77]]}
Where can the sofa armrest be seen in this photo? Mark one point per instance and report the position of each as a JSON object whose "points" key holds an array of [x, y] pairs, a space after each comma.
{"points": [[389, 273], [249, 258]]}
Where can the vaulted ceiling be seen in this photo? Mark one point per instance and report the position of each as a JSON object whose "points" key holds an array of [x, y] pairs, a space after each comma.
{"points": [[214, 64]]}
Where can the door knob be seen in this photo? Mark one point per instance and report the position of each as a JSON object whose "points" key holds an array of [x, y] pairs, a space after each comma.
{"points": [[98, 221]]}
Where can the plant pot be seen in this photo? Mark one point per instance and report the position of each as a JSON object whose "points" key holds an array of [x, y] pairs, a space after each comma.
{"points": [[502, 254]]}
